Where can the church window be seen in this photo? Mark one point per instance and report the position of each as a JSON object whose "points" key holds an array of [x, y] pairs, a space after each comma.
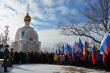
{"points": [[30, 39], [23, 33], [30, 44]]}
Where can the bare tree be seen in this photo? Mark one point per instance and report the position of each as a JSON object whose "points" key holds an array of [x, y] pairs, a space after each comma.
{"points": [[53, 48], [97, 13], [4, 37]]}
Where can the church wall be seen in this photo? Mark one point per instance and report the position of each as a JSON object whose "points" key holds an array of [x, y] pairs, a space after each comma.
{"points": [[18, 47], [34, 46], [37, 48], [25, 28], [14, 47], [31, 34], [25, 48], [18, 35]]}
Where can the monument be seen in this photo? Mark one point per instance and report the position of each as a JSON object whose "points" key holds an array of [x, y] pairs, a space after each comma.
{"points": [[26, 39]]}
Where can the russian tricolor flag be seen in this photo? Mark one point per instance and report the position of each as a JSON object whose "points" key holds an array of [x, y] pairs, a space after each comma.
{"points": [[65, 50], [73, 53], [105, 44], [80, 49], [93, 55], [86, 46]]}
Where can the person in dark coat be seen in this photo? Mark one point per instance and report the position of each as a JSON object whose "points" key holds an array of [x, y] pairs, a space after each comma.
{"points": [[66, 59], [48, 61], [108, 62], [27, 58], [51, 59], [16, 58], [42, 57], [90, 59], [11, 57], [99, 58], [38, 57], [35, 57], [31, 57], [21, 57], [46, 58], [6, 58], [1, 55]]}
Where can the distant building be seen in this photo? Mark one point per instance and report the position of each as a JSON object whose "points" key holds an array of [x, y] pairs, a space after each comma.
{"points": [[26, 39]]}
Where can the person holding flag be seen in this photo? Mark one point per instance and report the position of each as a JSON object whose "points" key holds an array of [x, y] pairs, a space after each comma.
{"points": [[67, 51], [63, 49], [99, 59], [81, 49], [86, 46], [105, 46], [58, 49], [93, 55], [90, 59], [73, 55], [81, 52]]}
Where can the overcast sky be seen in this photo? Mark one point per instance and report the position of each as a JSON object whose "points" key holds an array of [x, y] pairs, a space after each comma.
{"points": [[45, 16]]}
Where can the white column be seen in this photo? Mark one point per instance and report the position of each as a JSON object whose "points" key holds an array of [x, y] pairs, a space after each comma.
{"points": [[21, 46]]}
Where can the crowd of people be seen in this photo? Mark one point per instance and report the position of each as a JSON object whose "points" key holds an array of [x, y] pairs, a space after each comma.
{"points": [[61, 59]]}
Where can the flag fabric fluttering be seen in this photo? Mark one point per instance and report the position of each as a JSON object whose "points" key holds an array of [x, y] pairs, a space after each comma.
{"points": [[77, 49], [80, 49], [70, 51], [105, 44], [58, 49], [80, 44], [93, 55], [73, 57], [73, 53], [86, 46], [67, 51]]}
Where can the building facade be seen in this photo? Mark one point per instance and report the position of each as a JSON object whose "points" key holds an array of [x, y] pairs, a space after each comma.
{"points": [[26, 39]]}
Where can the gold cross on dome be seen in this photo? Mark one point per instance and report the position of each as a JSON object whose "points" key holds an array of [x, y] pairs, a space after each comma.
{"points": [[28, 8]]}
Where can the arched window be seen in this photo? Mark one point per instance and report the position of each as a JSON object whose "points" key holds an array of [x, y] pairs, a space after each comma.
{"points": [[30, 39], [31, 45]]}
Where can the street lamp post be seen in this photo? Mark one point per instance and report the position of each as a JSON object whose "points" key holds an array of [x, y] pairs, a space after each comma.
{"points": [[6, 34]]}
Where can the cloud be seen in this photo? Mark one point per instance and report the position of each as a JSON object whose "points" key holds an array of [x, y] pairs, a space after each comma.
{"points": [[74, 11], [79, 2], [48, 2], [51, 3], [51, 37], [35, 22]]}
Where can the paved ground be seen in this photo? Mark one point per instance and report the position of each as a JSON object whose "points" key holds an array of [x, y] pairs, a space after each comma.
{"points": [[46, 68]]}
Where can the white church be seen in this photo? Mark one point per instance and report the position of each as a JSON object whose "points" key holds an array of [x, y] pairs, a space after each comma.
{"points": [[26, 39]]}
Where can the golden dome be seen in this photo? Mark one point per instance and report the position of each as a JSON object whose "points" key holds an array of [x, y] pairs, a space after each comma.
{"points": [[27, 18]]}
